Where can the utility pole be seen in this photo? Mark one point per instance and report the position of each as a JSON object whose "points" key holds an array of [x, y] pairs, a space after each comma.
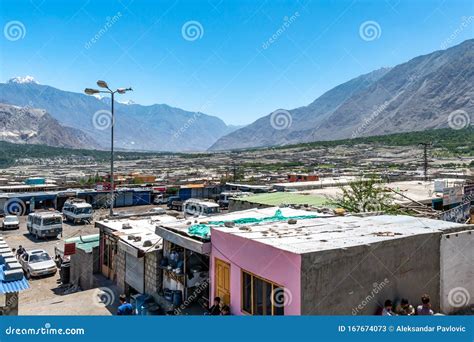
{"points": [[425, 159]]}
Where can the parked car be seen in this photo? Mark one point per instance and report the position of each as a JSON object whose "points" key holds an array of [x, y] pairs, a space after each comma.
{"points": [[11, 222], [37, 263]]}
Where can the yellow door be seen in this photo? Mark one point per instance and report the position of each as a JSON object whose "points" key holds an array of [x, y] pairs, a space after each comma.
{"points": [[222, 280]]}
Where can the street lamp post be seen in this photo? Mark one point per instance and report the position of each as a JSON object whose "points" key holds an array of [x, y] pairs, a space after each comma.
{"points": [[90, 91]]}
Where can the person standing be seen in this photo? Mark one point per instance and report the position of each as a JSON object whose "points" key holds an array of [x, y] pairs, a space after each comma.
{"points": [[125, 308]]}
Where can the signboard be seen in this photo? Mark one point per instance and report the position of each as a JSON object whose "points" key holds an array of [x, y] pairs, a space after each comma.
{"points": [[69, 248], [452, 195], [459, 214]]}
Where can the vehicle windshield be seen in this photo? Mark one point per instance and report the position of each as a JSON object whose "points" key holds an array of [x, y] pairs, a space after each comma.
{"points": [[83, 210], [47, 221], [39, 257], [11, 219]]}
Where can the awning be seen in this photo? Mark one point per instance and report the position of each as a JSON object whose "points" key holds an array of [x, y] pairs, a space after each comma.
{"points": [[184, 241]]}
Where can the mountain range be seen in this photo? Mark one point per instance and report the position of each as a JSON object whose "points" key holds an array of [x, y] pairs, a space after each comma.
{"points": [[428, 92], [157, 127], [431, 91]]}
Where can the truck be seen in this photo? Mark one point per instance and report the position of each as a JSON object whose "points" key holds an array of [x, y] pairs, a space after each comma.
{"points": [[198, 207], [175, 203], [45, 223], [77, 210]]}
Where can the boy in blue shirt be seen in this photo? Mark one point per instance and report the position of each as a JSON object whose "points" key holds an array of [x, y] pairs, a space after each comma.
{"points": [[124, 309]]}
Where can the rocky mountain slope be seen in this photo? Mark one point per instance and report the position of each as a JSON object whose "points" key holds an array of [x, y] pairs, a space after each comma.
{"points": [[36, 126], [157, 127], [430, 91]]}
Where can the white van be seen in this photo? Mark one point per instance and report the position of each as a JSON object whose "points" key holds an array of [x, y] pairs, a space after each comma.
{"points": [[46, 223], [77, 210], [196, 207]]}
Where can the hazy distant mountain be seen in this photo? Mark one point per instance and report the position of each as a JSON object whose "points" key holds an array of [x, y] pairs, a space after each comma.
{"points": [[36, 126], [417, 95], [157, 127]]}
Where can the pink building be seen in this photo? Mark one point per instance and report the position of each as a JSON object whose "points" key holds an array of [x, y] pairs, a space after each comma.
{"points": [[342, 265]]}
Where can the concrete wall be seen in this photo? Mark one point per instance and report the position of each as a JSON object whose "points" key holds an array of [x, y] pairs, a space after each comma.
{"points": [[238, 205], [119, 268], [457, 272], [83, 265], [280, 267], [153, 274], [359, 279]]}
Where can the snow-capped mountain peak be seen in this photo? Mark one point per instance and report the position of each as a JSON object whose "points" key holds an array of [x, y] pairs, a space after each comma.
{"points": [[22, 80], [128, 102]]}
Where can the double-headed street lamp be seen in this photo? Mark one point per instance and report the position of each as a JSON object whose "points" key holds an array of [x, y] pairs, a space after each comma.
{"points": [[90, 91]]}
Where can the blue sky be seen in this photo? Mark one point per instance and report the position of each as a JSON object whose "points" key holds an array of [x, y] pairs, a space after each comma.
{"points": [[232, 69]]}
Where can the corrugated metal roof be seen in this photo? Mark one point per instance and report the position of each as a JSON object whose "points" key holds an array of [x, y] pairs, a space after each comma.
{"points": [[12, 286]]}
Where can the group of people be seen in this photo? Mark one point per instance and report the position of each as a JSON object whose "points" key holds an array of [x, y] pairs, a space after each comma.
{"points": [[406, 309], [219, 308]]}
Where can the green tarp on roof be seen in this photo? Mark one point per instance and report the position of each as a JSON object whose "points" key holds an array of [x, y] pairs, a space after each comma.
{"points": [[204, 230]]}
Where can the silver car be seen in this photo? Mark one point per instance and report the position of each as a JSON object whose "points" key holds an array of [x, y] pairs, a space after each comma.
{"points": [[37, 263], [10, 222]]}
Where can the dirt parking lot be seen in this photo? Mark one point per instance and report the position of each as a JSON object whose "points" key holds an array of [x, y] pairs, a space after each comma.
{"points": [[46, 295]]}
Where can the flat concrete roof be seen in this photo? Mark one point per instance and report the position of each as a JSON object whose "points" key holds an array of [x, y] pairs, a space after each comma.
{"points": [[420, 191], [322, 182], [326, 233], [143, 227]]}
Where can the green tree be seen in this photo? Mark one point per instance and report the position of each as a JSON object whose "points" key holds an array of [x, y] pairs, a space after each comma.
{"points": [[365, 195]]}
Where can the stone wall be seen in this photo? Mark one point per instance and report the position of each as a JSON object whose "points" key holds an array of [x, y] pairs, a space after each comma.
{"points": [[153, 274], [119, 267]]}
